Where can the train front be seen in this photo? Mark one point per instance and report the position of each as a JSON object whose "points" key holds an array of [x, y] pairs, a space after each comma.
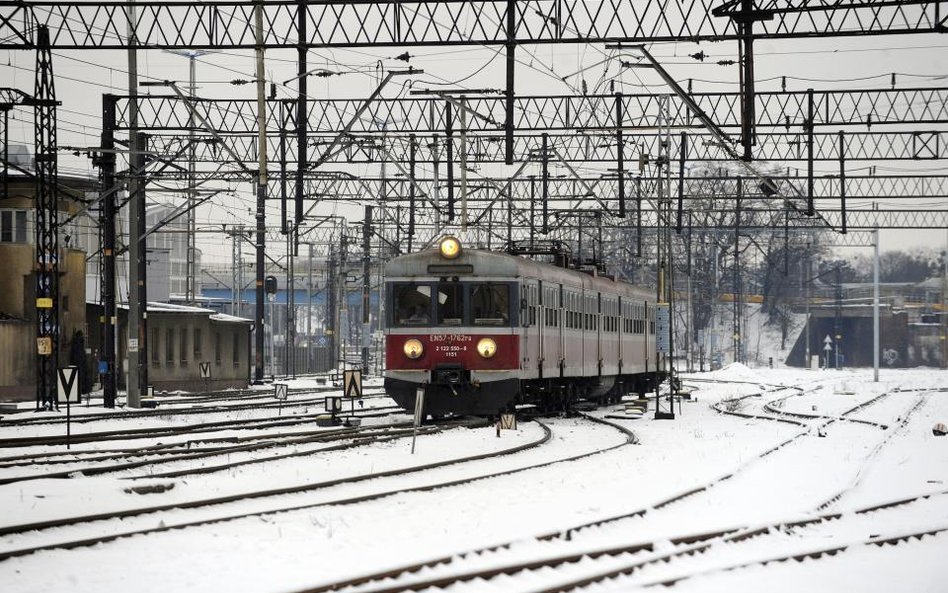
{"points": [[451, 330]]}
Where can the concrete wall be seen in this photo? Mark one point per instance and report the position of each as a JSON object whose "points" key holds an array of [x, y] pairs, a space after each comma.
{"points": [[72, 291], [857, 341], [223, 345], [17, 281], [17, 360], [182, 370], [928, 345], [18, 287], [18, 300]]}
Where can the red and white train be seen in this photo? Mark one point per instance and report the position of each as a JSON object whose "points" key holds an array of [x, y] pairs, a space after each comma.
{"points": [[482, 331]]}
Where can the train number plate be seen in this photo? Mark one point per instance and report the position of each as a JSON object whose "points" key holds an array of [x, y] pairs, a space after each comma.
{"points": [[450, 345], [450, 338], [450, 350]]}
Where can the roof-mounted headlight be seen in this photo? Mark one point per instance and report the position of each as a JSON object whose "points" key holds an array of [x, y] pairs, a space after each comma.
{"points": [[450, 248]]}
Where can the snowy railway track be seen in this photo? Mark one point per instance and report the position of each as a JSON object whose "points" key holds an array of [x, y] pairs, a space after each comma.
{"points": [[589, 565], [574, 533], [161, 432], [72, 522], [774, 407], [169, 407], [890, 431], [354, 437]]}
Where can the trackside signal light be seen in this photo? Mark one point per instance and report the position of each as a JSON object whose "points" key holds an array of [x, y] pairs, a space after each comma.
{"points": [[413, 348], [450, 248], [487, 347]]}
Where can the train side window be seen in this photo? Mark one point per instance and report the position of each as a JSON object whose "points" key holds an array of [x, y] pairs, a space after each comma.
{"points": [[537, 303], [574, 310], [490, 304], [532, 305], [566, 311], [550, 299], [589, 313], [412, 304], [450, 303]]}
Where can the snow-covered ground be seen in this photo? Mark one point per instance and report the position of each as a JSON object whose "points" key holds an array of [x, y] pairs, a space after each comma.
{"points": [[823, 463]]}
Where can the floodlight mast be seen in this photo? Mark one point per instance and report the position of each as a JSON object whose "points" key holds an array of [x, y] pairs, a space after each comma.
{"points": [[190, 288]]}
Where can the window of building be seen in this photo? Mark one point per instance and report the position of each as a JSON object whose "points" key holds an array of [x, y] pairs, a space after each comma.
{"points": [[169, 345], [217, 348], [236, 348], [12, 226], [155, 357], [183, 347], [197, 344]]}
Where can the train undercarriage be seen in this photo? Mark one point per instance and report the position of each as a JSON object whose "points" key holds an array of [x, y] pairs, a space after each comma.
{"points": [[460, 396]]}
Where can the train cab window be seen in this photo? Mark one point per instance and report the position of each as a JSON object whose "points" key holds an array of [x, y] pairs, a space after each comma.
{"points": [[412, 305], [490, 304], [450, 303]]}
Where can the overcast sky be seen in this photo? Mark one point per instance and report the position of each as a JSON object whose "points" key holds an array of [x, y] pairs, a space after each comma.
{"points": [[867, 63]]}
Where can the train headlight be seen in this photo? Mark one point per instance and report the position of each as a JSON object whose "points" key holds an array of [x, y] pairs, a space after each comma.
{"points": [[487, 347], [450, 248], [413, 348]]}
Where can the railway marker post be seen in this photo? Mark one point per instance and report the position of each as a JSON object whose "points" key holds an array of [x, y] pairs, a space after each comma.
{"points": [[419, 414], [506, 422], [352, 386], [205, 373], [68, 389], [333, 406], [280, 392]]}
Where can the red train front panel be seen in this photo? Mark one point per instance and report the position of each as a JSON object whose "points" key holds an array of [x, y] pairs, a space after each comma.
{"points": [[453, 348]]}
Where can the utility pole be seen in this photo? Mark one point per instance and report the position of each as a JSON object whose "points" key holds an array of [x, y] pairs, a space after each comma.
{"points": [[463, 111], [330, 321], [366, 260], [837, 321], [190, 264], [436, 184], [807, 278], [289, 337], [46, 228], [875, 308], [109, 317], [190, 288], [310, 348], [137, 252], [341, 322], [261, 194], [737, 273], [944, 306], [235, 279]]}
